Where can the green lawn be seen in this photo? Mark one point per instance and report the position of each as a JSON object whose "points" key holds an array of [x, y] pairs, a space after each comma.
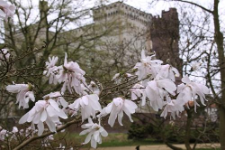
{"points": [[112, 140]]}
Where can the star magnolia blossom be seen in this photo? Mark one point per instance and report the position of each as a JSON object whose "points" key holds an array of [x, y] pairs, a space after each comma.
{"points": [[51, 70], [173, 108], [94, 131], [147, 66], [189, 90], [58, 98], [88, 104], [116, 108], [168, 72], [157, 90], [137, 91], [6, 10], [44, 111], [25, 93], [3, 134], [94, 88], [72, 76]]}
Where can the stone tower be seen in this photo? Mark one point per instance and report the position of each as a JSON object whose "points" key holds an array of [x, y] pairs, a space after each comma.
{"points": [[165, 36]]}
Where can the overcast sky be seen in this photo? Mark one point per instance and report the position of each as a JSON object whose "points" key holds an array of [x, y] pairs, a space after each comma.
{"points": [[144, 5]]}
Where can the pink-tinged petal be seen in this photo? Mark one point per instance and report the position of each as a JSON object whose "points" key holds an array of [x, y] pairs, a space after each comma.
{"points": [[63, 89], [118, 101], [62, 114], [168, 85], [93, 143], [84, 101], [24, 118], [51, 125], [112, 117], [17, 88], [103, 132], [131, 106], [43, 116], [93, 97], [40, 128], [127, 112], [108, 108], [120, 116], [39, 105], [185, 79], [31, 115], [36, 118], [94, 103], [96, 135], [85, 112], [85, 132], [75, 105], [51, 111], [88, 138], [54, 104], [31, 96], [63, 102]]}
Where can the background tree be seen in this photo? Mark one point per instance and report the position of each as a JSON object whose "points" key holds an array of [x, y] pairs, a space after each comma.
{"points": [[202, 46]]}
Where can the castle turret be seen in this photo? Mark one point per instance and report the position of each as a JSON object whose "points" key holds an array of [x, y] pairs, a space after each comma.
{"points": [[165, 36]]}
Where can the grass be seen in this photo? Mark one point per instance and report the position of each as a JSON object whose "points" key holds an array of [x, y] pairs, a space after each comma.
{"points": [[112, 140], [120, 139]]}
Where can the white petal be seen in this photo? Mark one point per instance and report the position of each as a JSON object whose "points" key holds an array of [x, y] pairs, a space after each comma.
{"points": [[51, 125], [112, 117], [103, 132], [185, 79], [40, 128], [120, 116], [88, 138], [24, 118], [131, 106], [93, 143], [54, 104], [43, 116]]}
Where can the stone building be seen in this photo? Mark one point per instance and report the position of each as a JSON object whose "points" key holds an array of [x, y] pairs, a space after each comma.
{"points": [[165, 36]]}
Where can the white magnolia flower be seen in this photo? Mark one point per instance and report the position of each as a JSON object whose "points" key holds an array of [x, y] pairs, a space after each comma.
{"points": [[6, 10], [3, 134], [88, 104], [94, 88], [25, 93], [147, 67], [168, 72], [52, 71], [14, 130], [137, 91], [72, 76], [58, 98], [94, 131], [157, 90], [116, 108], [173, 108], [13, 133], [44, 111], [189, 90]]}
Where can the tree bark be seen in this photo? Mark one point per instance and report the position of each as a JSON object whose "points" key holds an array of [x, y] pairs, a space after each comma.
{"points": [[219, 41]]}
